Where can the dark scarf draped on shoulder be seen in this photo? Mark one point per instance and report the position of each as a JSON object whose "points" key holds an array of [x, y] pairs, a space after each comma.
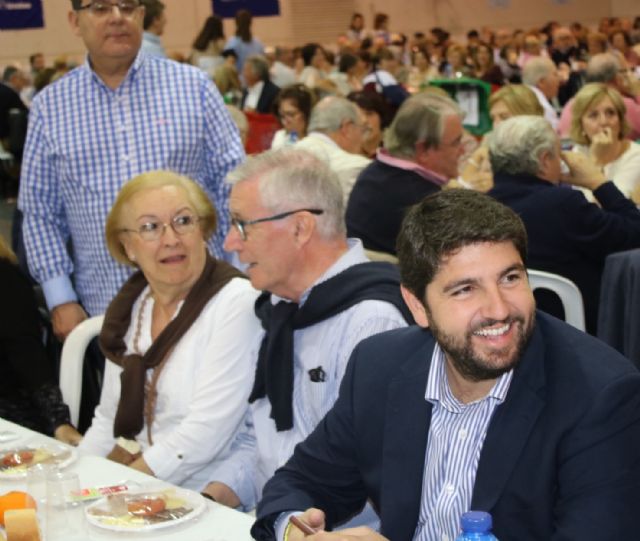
{"points": [[129, 418], [274, 372]]}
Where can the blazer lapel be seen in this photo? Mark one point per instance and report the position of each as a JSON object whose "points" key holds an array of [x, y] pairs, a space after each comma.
{"points": [[510, 426], [406, 428]]}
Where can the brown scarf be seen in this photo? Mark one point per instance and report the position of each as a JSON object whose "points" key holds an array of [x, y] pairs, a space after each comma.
{"points": [[129, 418]]}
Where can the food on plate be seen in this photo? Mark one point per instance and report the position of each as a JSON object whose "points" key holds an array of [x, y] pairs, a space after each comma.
{"points": [[15, 500], [143, 510], [16, 458], [146, 507], [22, 525], [15, 462]]}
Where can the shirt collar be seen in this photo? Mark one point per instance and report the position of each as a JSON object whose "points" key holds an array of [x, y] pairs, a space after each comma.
{"points": [[384, 157], [154, 38], [324, 137], [544, 100], [354, 255], [439, 391], [256, 88], [138, 62]]}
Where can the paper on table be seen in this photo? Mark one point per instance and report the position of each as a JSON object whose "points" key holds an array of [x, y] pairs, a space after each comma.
{"points": [[469, 103]]}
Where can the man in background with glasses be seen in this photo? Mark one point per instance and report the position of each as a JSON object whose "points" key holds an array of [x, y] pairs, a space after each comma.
{"points": [[321, 297], [118, 115]]}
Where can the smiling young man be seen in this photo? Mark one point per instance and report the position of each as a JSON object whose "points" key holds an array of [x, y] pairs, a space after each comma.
{"points": [[485, 405]]}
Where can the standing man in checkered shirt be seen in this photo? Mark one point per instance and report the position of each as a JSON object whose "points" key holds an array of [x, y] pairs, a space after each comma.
{"points": [[119, 114]]}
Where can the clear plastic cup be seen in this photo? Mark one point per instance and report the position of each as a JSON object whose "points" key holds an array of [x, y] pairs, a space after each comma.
{"points": [[65, 519]]}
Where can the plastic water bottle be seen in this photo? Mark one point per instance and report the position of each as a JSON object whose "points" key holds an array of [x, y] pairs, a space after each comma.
{"points": [[476, 526]]}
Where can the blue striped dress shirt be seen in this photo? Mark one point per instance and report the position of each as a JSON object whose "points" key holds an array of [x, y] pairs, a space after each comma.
{"points": [[86, 140], [455, 440]]}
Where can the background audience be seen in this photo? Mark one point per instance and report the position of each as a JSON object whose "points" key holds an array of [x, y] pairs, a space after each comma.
{"points": [[567, 235]]}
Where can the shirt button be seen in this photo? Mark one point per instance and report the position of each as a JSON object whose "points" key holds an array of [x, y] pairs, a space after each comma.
{"points": [[450, 488], [445, 537], [462, 434], [126, 157]]}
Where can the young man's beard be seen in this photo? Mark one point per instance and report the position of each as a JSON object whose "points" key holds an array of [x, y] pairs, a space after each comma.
{"points": [[467, 362]]}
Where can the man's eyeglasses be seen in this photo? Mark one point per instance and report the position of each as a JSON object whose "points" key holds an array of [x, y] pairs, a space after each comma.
{"points": [[101, 8], [241, 225], [181, 225]]}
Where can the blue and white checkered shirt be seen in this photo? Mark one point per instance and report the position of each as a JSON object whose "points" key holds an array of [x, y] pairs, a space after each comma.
{"points": [[86, 140], [455, 440]]}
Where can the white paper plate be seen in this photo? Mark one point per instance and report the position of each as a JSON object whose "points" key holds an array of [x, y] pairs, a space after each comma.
{"points": [[62, 455], [100, 515]]}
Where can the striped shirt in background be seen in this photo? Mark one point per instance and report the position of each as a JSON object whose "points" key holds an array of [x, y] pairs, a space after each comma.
{"points": [[455, 441], [86, 140]]}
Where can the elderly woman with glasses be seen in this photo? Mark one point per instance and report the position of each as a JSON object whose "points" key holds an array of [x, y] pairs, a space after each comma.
{"points": [[176, 337]]}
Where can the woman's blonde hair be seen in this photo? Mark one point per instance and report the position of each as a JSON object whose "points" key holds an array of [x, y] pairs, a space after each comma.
{"points": [[519, 99], [589, 96], [150, 181], [6, 252]]}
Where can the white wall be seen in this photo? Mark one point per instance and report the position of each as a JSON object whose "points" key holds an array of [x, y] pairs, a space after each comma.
{"points": [[319, 20]]}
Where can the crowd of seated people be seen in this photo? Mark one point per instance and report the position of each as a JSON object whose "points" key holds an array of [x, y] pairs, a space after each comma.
{"points": [[196, 353]]}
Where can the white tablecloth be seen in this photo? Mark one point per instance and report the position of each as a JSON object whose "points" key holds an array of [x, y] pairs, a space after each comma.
{"points": [[217, 523]]}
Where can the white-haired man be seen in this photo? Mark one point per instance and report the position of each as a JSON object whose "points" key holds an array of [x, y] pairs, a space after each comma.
{"points": [[321, 297], [541, 75], [336, 130], [567, 234]]}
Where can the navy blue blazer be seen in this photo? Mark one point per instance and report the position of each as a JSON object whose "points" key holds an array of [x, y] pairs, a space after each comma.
{"points": [[378, 202], [561, 459], [568, 235], [265, 101]]}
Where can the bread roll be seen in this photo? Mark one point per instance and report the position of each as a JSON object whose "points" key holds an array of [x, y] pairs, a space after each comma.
{"points": [[21, 525]]}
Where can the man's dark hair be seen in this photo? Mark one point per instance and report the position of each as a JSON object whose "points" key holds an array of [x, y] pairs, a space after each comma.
{"points": [[445, 222], [152, 10], [76, 4], [472, 34], [8, 73], [32, 58], [229, 52], [347, 61], [308, 51], [243, 25]]}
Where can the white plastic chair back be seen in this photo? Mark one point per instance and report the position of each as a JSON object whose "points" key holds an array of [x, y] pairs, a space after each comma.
{"points": [[72, 360], [565, 289]]}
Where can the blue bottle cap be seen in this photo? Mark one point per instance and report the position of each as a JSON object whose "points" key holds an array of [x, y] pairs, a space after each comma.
{"points": [[476, 522]]}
